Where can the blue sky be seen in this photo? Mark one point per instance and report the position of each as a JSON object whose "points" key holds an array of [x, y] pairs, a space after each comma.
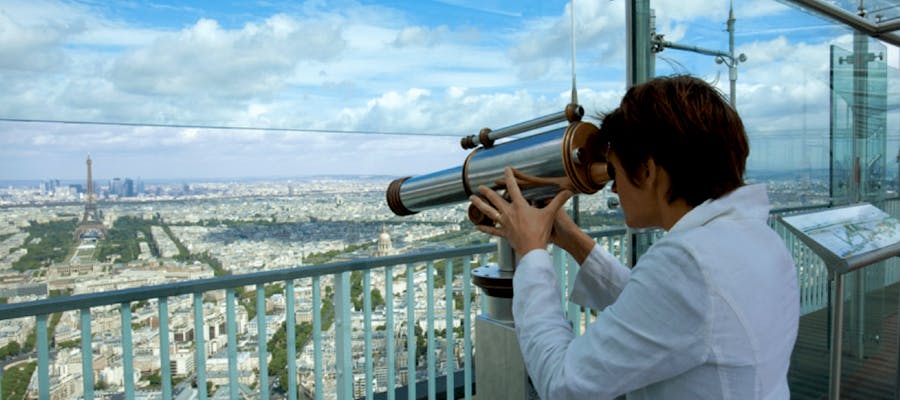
{"points": [[343, 87]]}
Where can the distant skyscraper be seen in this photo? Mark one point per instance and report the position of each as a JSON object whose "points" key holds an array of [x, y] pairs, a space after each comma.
{"points": [[128, 188], [50, 186], [91, 224], [116, 187]]}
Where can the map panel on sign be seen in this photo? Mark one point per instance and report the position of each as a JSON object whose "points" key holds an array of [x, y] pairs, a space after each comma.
{"points": [[849, 231]]}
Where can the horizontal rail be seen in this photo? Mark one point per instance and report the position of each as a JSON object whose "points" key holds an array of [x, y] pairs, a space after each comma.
{"points": [[90, 300]]}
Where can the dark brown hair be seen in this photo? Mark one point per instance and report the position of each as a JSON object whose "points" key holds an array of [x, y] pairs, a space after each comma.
{"points": [[688, 128]]}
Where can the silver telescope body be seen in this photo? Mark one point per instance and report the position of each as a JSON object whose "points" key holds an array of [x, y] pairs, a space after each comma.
{"points": [[571, 157]]}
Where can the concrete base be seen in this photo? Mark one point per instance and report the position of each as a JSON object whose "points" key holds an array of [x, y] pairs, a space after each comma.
{"points": [[499, 368]]}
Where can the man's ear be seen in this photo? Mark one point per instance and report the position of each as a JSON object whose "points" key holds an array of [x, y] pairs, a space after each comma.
{"points": [[657, 178], [650, 173]]}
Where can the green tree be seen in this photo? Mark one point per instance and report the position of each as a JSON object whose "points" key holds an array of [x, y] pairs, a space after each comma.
{"points": [[155, 379], [48, 243], [377, 299], [12, 348], [15, 381]]}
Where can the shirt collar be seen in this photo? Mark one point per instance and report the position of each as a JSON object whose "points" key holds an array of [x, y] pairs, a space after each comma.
{"points": [[745, 202]]}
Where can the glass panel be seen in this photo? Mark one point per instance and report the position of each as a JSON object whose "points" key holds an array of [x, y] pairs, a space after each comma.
{"points": [[859, 122], [841, 173], [874, 177]]}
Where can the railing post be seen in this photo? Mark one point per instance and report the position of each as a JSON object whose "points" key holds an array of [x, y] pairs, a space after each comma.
{"points": [[367, 327], [317, 336], [87, 355], [574, 310], [199, 347], [342, 330], [410, 332], [43, 358], [467, 326], [261, 336], [389, 330], [451, 345], [429, 345], [290, 331], [834, 383], [164, 364], [127, 351], [232, 345]]}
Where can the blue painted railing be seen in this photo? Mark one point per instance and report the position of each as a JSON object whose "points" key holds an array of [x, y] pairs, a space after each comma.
{"points": [[400, 375]]}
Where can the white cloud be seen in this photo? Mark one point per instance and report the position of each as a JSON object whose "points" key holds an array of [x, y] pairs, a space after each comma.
{"points": [[26, 48], [543, 47], [418, 36], [357, 68], [205, 58]]}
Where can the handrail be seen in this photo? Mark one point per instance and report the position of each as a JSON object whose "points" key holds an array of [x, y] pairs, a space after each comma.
{"points": [[89, 300]]}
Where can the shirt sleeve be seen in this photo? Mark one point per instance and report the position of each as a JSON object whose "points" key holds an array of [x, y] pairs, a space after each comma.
{"points": [[653, 331], [599, 281]]}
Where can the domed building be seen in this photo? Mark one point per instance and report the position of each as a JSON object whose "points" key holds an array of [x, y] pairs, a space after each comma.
{"points": [[384, 248]]}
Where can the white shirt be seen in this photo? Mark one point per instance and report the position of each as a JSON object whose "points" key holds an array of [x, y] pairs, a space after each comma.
{"points": [[709, 312]]}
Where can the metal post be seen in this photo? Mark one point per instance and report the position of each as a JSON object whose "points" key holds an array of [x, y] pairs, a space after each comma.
{"points": [[290, 330], [637, 32], [231, 328], [367, 323], [87, 355], [317, 337], [342, 341], [410, 332], [43, 358], [165, 367], [389, 331], [199, 347], [732, 66], [429, 331], [263, 352], [834, 372]]}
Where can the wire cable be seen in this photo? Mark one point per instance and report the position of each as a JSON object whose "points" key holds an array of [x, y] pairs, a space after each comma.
{"points": [[227, 127]]}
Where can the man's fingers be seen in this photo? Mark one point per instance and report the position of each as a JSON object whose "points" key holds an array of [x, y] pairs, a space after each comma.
{"points": [[490, 230], [512, 187], [558, 201], [497, 203]]}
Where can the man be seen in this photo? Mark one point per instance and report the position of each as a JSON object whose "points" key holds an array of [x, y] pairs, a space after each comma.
{"points": [[710, 311]]}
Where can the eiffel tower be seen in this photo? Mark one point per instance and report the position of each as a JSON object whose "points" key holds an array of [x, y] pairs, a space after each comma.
{"points": [[91, 226]]}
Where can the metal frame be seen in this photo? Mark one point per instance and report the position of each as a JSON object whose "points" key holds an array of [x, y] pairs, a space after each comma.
{"points": [[882, 31]]}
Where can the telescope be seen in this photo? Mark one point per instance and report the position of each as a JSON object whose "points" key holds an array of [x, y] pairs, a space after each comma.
{"points": [[570, 157]]}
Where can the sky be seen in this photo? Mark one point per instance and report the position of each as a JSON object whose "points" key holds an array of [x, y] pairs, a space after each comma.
{"points": [[244, 89]]}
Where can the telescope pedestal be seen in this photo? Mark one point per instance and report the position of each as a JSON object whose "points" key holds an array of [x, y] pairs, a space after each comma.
{"points": [[500, 370]]}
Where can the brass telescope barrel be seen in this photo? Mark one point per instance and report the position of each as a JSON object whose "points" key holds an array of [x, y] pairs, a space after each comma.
{"points": [[561, 158]]}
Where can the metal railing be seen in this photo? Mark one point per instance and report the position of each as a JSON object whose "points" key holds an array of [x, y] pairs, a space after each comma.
{"points": [[414, 305], [372, 368]]}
